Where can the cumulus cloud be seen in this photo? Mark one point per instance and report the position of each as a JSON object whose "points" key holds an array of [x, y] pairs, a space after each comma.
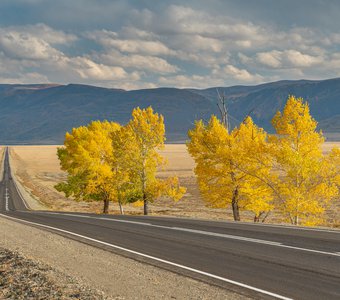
{"points": [[217, 77], [242, 74], [45, 33], [26, 78], [33, 42], [271, 59], [288, 59], [299, 59], [22, 45], [28, 54], [146, 63], [110, 39], [183, 81], [88, 69], [176, 45]]}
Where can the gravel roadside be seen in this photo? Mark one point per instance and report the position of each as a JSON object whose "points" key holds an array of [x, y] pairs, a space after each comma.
{"points": [[113, 275], [22, 278]]}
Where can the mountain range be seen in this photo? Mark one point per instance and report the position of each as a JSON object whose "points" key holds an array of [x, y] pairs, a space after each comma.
{"points": [[42, 113]]}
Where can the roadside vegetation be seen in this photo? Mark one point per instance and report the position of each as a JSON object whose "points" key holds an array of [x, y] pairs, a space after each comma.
{"points": [[112, 163], [254, 171], [244, 168]]}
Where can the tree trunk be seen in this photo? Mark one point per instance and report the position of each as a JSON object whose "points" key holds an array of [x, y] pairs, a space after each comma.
{"points": [[257, 218], [265, 217], [146, 205], [234, 204], [106, 206], [121, 208], [296, 220]]}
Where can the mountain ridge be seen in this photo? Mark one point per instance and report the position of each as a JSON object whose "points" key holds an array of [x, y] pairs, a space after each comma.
{"points": [[42, 113]]}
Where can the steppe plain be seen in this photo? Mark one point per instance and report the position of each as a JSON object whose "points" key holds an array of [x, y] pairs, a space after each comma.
{"points": [[37, 168]]}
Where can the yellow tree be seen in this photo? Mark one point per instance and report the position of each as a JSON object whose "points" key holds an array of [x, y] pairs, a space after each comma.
{"points": [[87, 156], [255, 161], [226, 162], [305, 184], [122, 165], [145, 136]]}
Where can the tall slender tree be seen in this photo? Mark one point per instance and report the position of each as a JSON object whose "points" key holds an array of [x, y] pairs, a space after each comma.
{"points": [[145, 134], [307, 180]]}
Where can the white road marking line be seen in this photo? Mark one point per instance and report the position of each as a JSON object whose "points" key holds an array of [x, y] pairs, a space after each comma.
{"points": [[6, 198], [311, 250], [337, 231], [228, 236], [295, 227], [157, 259], [101, 218]]}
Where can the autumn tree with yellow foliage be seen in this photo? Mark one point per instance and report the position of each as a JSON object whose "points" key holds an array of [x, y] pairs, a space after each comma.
{"points": [[250, 170], [225, 162], [307, 180], [86, 157], [108, 162], [145, 135]]}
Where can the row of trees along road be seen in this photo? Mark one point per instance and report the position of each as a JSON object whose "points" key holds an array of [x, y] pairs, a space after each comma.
{"points": [[254, 171], [244, 168], [109, 162]]}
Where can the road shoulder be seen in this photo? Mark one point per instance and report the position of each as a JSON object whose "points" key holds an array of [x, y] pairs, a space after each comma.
{"points": [[112, 274]]}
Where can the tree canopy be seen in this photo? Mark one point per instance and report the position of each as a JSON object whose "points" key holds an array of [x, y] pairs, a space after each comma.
{"points": [[251, 170], [109, 162]]}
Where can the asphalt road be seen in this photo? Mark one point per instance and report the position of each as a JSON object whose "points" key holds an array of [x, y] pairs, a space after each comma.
{"points": [[260, 261]]}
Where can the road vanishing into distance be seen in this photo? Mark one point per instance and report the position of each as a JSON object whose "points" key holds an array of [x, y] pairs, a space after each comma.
{"points": [[259, 261]]}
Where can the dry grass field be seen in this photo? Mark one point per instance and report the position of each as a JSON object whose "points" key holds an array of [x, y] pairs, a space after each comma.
{"points": [[37, 167]]}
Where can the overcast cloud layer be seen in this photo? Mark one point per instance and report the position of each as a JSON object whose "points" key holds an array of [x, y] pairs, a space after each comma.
{"points": [[142, 44]]}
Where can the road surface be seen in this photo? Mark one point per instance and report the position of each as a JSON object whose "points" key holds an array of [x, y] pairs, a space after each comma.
{"points": [[260, 261]]}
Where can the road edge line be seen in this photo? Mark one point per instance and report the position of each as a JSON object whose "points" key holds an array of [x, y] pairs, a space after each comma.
{"points": [[240, 284]]}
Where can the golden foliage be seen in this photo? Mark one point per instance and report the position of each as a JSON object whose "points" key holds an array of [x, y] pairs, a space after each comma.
{"points": [[86, 156], [250, 170], [145, 134], [109, 162], [307, 180], [226, 162]]}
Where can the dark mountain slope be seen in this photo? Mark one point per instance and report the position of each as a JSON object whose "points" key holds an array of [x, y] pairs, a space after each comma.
{"points": [[43, 113]]}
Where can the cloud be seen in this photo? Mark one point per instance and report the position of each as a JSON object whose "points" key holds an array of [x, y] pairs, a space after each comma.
{"points": [[139, 46], [193, 81], [270, 59], [110, 39], [242, 74], [142, 44], [26, 78], [47, 34], [299, 59], [145, 63], [25, 46], [33, 42], [288, 59], [28, 54], [88, 69], [218, 77]]}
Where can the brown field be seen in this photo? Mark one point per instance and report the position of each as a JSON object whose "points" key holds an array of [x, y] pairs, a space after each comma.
{"points": [[37, 167]]}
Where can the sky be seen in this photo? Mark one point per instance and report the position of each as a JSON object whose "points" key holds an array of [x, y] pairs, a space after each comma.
{"points": [[135, 44]]}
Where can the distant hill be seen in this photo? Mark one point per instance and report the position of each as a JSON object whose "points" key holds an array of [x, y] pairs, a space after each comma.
{"points": [[41, 114]]}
